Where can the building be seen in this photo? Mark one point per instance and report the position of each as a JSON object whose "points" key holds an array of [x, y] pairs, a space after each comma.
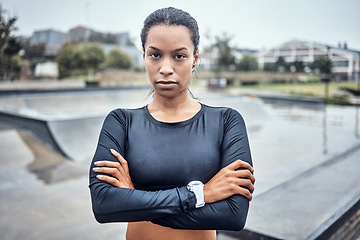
{"points": [[209, 57], [52, 39], [78, 34], [346, 62]]}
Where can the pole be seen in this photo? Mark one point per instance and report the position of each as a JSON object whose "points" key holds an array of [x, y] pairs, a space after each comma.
{"points": [[327, 75]]}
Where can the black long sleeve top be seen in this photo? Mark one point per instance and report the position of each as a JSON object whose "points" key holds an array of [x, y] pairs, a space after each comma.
{"points": [[163, 158]]}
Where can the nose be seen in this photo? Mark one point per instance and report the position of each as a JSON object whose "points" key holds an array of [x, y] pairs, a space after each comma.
{"points": [[166, 67]]}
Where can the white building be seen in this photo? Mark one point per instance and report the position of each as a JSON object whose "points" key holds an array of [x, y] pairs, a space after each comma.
{"points": [[346, 62]]}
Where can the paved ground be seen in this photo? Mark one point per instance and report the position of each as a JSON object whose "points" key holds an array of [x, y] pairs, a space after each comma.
{"points": [[305, 157]]}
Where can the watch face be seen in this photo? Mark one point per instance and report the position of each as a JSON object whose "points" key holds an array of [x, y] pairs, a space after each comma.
{"points": [[197, 183]]}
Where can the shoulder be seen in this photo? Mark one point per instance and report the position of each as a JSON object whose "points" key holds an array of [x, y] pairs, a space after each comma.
{"points": [[122, 115], [225, 113], [124, 112]]}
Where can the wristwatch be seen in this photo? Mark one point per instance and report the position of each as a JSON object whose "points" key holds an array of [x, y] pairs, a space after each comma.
{"points": [[197, 188]]}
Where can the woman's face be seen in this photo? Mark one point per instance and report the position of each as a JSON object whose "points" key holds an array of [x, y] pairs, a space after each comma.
{"points": [[169, 59]]}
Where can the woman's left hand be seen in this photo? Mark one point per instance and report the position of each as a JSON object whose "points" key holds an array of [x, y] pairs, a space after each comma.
{"points": [[119, 171]]}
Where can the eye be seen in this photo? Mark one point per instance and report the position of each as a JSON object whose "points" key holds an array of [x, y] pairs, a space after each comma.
{"points": [[179, 56], [154, 55]]}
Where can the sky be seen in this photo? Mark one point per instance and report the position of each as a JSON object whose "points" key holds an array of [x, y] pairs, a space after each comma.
{"points": [[253, 24]]}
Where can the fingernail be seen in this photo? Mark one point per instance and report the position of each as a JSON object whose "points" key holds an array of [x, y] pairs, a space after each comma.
{"points": [[97, 163], [113, 151], [96, 168], [99, 176]]}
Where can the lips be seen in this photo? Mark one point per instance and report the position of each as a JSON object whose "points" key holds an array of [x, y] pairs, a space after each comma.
{"points": [[166, 84]]}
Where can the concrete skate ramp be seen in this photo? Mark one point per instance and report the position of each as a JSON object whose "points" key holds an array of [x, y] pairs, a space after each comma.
{"points": [[69, 122], [74, 138]]}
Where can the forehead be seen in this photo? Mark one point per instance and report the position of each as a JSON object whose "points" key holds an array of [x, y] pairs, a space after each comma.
{"points": [[167, 37]]}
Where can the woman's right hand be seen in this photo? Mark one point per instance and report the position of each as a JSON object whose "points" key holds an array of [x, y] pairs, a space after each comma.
{"points": [[230, 181], [119, 174]]}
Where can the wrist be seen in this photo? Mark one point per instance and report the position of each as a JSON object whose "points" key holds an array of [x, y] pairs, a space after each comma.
{"points": [[206, 194], [197, 188]]}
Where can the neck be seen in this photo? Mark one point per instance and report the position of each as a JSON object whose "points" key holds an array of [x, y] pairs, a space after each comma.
{"points": [[167, 104], [173, 109]]}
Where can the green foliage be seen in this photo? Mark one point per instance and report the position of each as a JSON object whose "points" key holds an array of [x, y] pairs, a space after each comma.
{"points": [[270, 67], [11, 61], [6, 27], [11, 65], [248, 63], [225, 58], [13, 46], [66, 58], [282, 66], [323, 65], [299, 66], [93, 55], [76, 59], [118, 59]]}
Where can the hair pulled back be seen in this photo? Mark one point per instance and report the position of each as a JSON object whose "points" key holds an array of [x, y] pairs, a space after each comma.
{"points": [[171, 16]]}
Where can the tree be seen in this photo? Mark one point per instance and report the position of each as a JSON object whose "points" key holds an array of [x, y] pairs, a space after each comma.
{"points": [[11, 62], [118, 59], [270, 67], [225, 58], [6, 27], [66, 60], [322, 64], [35, 53], [11, 66], [93, 56], [281, 65], [248, 63], [299, 66], [74, 59]]}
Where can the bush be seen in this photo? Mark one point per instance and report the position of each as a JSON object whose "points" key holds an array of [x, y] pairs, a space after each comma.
{"points": [[118, 59]]}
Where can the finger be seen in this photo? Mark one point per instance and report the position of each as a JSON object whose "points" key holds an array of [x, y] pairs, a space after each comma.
{"points": [[111, 171], [111, 180], [121, 159], [117, 155], [245, 192], [244, 174], [240, 164], [110, 164], [107, 164], [247, 184]]}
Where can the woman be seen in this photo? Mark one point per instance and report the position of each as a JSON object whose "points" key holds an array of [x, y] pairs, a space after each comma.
{"points": [[150, 163]]}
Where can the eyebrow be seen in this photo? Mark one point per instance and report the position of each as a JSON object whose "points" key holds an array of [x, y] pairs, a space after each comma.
{"points": [[176, 50]]}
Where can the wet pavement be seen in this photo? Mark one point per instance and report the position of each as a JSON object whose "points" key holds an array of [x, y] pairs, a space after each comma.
{"points": [[305, 157]]}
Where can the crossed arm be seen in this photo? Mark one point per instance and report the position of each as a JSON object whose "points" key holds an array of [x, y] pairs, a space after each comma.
{"points": [[227, 194]]}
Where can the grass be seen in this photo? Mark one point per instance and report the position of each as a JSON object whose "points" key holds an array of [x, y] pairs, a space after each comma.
{"points": [[304, 89], [315, 90]]}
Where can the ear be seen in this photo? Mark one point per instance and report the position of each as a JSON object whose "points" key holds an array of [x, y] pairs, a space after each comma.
{"points": [[144, 55], [196, 58]]}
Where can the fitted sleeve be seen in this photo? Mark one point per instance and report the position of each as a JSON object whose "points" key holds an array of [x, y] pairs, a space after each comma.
{"points": [[113, 204], [230, 213]]}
